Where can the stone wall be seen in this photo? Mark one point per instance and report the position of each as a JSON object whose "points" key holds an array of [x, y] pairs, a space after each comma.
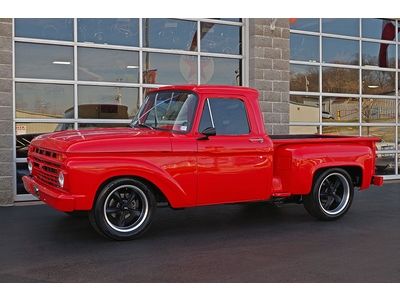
{"points": [[269, 54], [6, 119]]}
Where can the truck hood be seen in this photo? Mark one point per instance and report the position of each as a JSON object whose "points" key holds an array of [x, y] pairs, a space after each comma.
{"points": [[124, 139]]}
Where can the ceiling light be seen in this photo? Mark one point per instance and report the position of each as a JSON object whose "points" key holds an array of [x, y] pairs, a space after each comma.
{"points": [[132, 67], [61, 62], [373, 86]]}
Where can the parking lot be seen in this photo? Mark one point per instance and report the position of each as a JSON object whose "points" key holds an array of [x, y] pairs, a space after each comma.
{"points": [[229, 243]]}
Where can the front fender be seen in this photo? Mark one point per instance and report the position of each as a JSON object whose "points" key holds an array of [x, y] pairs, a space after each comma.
{"points": [[86, 175]]}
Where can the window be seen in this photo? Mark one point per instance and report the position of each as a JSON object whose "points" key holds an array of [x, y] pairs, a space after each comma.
{"points": [[109, 31], [228, 116], [354, 88], [96, 72], [44, 61]]}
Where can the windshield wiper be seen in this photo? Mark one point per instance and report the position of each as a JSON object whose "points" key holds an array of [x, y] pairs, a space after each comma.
{"points": [[143, 126]]}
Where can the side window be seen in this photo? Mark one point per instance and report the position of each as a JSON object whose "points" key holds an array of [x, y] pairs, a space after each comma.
{"points": [[227, 115]]}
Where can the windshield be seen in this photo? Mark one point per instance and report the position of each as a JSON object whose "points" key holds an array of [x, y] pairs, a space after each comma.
{"points": [[167, 110]]}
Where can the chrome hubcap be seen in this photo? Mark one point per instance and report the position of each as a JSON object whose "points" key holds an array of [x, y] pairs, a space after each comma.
{"points": [[126, 208], [334, 193]]}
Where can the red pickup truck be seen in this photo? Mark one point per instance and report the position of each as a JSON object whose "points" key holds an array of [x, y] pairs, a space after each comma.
{"points": [[191, 146]]}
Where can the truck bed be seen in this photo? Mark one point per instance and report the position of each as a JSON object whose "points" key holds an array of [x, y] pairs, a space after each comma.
{"points": [[318, 138]]}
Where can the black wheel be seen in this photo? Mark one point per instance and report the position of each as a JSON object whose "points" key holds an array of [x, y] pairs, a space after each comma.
{"points": [[331, 195], [123, 209]]}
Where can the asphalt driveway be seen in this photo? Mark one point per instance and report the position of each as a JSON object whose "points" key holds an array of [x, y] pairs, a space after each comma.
{"points": [[230, 243]]}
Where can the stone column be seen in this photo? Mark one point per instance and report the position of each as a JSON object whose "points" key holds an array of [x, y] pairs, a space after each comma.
{"points": [[269, 55], [7, 183]]}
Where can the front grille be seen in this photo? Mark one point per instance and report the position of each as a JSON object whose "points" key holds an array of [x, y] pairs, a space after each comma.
{"points": [[45, 166]]}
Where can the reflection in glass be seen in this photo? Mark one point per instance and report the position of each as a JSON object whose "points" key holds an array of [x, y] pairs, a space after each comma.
{"points": [[215, 70], [101, 125], [169, 68], [378, 110], [106, 102], [340, 51], [217, 38], [49, 29], [379, 54], [43, 101], [386, 134], [340, 109], [170, 34], [385, 164], [22, 170], [304, 47], [309, 129], [304, 24], [341, 26], [341, 130], [109, 31], [229, 19], [340, 80], [380, 29], [378, 82], [25, 132], [44, 61], [304, 78], [304, 108], [108, 65]]}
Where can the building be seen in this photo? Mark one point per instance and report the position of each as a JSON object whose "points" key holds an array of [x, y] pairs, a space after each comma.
{"points": [[337, 76]]}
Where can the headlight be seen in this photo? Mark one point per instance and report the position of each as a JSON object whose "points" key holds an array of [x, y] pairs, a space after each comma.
{"points": [[30, 167], [61, 179]]}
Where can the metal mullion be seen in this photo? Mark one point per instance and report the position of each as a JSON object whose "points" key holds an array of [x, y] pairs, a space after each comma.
{"points": [[106, 83], [340, 66], [360, 80], [103, 121], [108, 46], [325, 124], [40, 80], [198, 41], [222, 55], [301, 93], [153, 85], [14, 107], [378, 41], [76, 102], [397, 138], [222, 22], [307, 63], [245, 53], [338, 36], [314, 33], [320, 78], [377, 124], [42, 41], [140, 61], [170, 51], [32, 120]]}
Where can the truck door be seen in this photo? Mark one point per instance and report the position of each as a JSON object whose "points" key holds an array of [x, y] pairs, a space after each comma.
{"points": [[235, 164]]}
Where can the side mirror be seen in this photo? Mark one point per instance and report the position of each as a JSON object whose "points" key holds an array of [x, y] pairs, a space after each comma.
{"points": [[209, 131]]}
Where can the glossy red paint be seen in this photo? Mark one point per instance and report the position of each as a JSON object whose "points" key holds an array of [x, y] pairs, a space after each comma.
{"points": [[186, 170]]}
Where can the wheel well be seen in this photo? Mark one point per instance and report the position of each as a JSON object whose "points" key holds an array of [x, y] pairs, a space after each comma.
{"points": [[161, 198], [355, 173]]}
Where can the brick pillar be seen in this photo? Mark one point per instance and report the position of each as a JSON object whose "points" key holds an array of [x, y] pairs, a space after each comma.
{"points": [[269, 70], [6, 115]]}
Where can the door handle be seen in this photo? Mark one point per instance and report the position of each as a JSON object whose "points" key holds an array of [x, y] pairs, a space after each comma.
{"points": [[256, 140]]}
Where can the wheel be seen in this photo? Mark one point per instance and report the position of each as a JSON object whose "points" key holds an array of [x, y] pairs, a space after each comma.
{"points": [[123, 209], [331, 195]]}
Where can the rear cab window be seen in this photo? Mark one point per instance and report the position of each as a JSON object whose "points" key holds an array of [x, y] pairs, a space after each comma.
{"points": [[227, 115]]}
